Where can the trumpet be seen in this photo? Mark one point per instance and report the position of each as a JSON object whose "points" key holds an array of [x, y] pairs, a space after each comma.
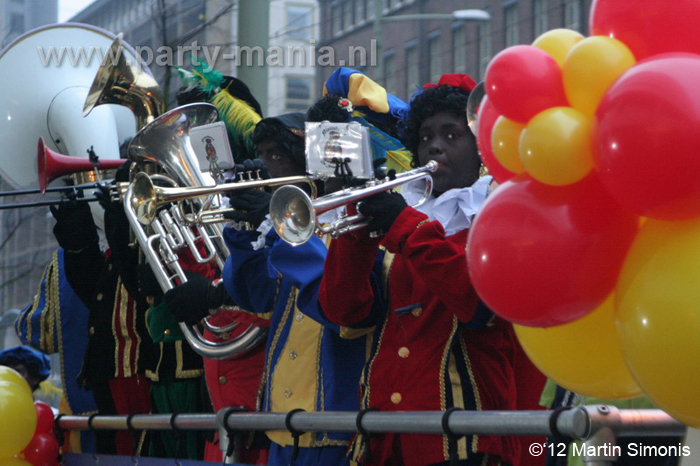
{"points": [[295, 215], [147, 198]]}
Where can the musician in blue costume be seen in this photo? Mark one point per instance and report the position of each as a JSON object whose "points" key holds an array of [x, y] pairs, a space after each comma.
{"points": [[57, 321], [311, 364]]}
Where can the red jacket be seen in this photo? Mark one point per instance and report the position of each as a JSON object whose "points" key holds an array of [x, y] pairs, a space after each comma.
{"points": [[434, 347]]}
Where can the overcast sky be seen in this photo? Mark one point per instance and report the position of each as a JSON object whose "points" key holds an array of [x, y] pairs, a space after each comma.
{"points": [[67, 8]]}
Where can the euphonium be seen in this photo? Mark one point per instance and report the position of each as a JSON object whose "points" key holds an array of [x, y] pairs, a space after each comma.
{"points": [[295, 215], [166, 143]]}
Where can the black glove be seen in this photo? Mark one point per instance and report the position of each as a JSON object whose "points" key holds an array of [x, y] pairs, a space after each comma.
{"points": [[75, 228], [148, 285], [191, 301], [252, 205], [383, 208]]}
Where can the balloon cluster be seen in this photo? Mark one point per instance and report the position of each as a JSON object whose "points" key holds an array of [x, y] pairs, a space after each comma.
{"points": [[26, 427], [591, 245]]}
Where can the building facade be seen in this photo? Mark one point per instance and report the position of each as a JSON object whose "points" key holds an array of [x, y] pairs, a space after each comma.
{"points": [[418, 51], [19, 16], [149, 25]]}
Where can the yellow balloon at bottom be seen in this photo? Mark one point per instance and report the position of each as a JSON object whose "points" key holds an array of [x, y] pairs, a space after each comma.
{"points": [[555, 146], [583, 356], [14, 462], [17, 419], [658, 312]]}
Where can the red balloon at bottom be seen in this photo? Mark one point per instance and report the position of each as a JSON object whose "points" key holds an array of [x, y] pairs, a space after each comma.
{"points": [[545, 255], [42, 450]]}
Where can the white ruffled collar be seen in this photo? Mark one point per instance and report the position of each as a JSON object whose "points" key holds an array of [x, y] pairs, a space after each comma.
{"points": [[454, 209]]}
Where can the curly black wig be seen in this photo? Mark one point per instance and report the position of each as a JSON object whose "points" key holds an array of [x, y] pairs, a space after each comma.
{"points": [[429, 103], [327, 109], [288, 142]]}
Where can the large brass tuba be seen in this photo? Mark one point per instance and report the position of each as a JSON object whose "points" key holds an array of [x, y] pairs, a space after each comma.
{"points": [[126, 82], [166, 143]]}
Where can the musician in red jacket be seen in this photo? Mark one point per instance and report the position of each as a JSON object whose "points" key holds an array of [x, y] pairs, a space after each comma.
{"points": [[435, 346]]}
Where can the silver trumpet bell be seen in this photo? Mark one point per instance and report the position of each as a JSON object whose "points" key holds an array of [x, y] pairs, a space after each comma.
{"points": [[295, 215], [165, 142]]}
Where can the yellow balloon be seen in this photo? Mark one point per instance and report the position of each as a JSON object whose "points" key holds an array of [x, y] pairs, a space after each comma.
{"points": [[505, 136], [658, 315], [14, 462], [557, 43], [17, 419], [10, 375], [591, 67], [555, 146], [583, 356]]}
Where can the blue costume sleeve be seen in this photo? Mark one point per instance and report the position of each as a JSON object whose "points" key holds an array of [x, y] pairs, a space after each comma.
{"points": [[248, 276]]}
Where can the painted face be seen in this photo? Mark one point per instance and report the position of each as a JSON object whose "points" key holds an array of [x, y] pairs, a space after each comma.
{"points": [[446, 138], [277, 161]]}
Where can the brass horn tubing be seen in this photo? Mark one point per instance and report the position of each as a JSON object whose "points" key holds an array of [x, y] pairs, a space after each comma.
{"points": [[215, 329], [168, 195], [191, 240], [195, 339], [172, 230]]}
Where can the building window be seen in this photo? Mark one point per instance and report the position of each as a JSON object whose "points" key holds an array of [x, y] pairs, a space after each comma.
{"points": [[298, 94], [299, 20], [412, 71], [370, 9], [16, 23], [459, 50], [360, 13], [511, 20], [337, 19], [391, 77], [540, 17], [485, 49], [572, 14], [348, 13], [435, 58]]}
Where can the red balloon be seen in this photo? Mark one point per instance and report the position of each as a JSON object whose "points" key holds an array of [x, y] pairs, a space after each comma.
{"points": [[646, 139], [522, 81], [648, 27], [42, 450], [487, 118], [44, 418], [546, 255]]}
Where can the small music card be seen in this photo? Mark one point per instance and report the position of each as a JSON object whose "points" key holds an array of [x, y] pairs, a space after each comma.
{"points": [[210, 144], [338, 149]]}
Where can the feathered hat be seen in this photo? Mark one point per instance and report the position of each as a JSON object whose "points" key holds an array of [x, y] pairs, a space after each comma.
{"points": [[371, 105], [237, 107]]}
